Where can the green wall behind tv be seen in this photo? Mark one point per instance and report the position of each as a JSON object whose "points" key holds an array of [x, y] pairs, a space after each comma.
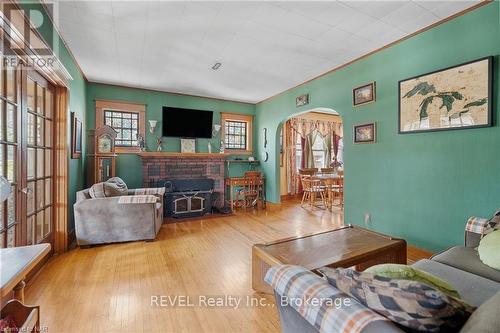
{"points": [[129, 165], [421, 187]]}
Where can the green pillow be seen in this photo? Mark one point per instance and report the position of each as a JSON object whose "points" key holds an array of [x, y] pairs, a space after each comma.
{"points": [[489, 249], [404, 272]]}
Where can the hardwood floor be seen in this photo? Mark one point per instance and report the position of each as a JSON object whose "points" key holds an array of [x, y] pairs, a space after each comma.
{"points": [[109, 288]]}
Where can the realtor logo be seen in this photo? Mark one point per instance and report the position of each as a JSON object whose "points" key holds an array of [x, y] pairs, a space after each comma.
{"points": [[36, 49]]}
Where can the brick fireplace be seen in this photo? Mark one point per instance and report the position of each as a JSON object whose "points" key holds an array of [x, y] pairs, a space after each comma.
{"points": [[158, 166]]}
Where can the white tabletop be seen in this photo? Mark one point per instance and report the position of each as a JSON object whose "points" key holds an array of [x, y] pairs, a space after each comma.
{"points": [[17, 262]]}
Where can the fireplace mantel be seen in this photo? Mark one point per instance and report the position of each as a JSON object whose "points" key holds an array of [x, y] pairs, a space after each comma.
{"points": [[159, 154]]}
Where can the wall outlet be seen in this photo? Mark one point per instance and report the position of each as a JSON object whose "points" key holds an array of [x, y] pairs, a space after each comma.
{"points": [[368, 219]]}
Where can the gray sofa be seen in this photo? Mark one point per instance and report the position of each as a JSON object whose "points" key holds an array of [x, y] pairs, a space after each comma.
{"points": [[460, 266], [105, 220]]}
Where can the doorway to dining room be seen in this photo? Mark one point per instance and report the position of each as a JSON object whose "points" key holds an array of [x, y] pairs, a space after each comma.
{"points": [[311, 142]]}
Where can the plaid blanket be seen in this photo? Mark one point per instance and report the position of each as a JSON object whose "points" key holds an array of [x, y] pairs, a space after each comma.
{"points": [[151, 191], [476, 224], [318, 302], [137, 199]]}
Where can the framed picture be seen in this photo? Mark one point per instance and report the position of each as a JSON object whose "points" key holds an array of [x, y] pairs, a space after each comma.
{"points": [[364, 94], [457, 97], [302, 100], [366, 133], [76, 137], [188, 146]]}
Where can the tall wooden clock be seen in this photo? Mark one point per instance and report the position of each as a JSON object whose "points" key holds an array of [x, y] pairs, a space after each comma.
{"points": [[101, 154]]}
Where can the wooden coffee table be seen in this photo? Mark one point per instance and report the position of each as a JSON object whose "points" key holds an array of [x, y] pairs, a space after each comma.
{"points": [[345, 247]]}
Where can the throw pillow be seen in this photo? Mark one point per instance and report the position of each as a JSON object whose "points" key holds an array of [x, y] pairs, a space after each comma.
{"points": [[489, 249], [408, 303], [115, 187], [492, 224], [97, 191], [405, 272]]}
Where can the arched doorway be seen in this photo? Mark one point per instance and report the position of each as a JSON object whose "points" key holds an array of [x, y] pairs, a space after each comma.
{"points": [[308, 139]]}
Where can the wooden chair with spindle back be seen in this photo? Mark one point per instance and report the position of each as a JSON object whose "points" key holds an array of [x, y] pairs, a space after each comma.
{"points": [[312, 190], [250, 191], [308, 171], [327, 170]]}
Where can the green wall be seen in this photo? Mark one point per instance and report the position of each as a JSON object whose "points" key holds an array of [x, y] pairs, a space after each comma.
{"points": [[129, 165], [77, 89], [421, 187]]}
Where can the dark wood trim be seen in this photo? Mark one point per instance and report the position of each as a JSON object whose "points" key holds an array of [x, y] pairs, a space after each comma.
{"points": [[61, 172], [433, 25]]}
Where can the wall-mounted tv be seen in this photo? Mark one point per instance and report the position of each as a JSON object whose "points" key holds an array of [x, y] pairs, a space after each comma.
{"points": [[187, 123]]}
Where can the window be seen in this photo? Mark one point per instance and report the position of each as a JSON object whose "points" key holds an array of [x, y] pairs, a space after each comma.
{"points": [[128, 120], [319, 152], [126, 124], [237, 133]]}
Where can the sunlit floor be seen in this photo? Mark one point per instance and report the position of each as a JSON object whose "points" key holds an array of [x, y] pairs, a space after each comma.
{"points": [[110, 288]]}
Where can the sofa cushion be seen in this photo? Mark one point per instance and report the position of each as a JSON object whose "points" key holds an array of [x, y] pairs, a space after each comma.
{"points": [[408, 303], [486, 319], [467, 259], [473, 289], [405, 272]]}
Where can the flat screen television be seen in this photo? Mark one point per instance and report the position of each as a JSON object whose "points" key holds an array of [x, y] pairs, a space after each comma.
{"points": [[187, 123]]}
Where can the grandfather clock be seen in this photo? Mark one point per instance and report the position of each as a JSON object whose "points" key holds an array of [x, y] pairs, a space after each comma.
{"points": [[101, 154]]}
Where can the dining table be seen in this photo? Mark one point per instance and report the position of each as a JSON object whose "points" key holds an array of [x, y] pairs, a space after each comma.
{"points": [[330, 180]]}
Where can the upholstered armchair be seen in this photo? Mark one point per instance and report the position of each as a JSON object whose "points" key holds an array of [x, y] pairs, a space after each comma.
{"points": [[136, 216]]}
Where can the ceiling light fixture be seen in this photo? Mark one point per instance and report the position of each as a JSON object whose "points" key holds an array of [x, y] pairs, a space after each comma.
{"points": [[216, 66]]}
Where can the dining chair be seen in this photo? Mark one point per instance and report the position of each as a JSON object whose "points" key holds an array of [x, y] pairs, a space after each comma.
{"points": [[252, 174], [249, 192], [337, 192], [308, 171], [312, 191]]}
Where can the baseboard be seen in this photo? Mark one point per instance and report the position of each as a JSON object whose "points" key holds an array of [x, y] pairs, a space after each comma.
{"points": [[287, 197]]}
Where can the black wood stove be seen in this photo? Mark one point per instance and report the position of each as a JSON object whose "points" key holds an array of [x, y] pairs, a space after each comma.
{"points": [[187, 197]]}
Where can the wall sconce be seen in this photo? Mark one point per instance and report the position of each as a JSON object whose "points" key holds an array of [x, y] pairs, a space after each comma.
{"points": [[215, 130], [152, 126]]}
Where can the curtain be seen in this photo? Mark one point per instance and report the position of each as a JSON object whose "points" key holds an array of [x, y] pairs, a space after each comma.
{"points": [[308, 151], [293, 183], [335, 139], [327, 140]]}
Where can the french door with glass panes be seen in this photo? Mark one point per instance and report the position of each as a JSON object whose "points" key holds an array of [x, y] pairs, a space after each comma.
{"points": [[26, 157], [39, 157]]}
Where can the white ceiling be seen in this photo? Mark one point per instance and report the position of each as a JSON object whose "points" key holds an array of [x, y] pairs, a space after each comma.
{"points": [[264, 47]]}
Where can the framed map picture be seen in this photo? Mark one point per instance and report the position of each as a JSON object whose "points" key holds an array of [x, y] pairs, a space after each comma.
{"points": [[366, 133], [457, 97]]}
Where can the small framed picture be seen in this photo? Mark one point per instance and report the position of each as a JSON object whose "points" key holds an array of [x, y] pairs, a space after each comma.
{"points": [[366, 133], [364, 94], [188, 146], [302, 100], [76, 137]]}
